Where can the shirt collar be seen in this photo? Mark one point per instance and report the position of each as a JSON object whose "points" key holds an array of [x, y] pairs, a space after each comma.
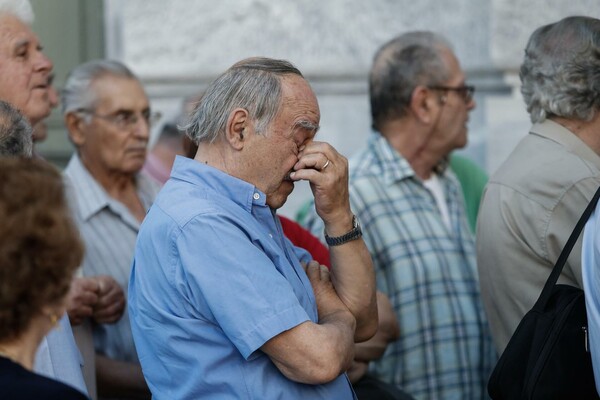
{"points": [[559, 134], [237, 190], [91, 196], [392, 165], [88, 193]]}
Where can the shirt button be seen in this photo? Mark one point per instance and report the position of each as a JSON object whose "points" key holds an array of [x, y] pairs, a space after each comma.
{"points": [[256, 196], [271, 236]]}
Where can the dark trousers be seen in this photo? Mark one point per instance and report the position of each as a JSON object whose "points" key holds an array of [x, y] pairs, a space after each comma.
{"points": [[371, 388]]}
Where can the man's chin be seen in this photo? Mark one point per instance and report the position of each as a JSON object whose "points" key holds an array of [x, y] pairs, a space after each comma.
{"points": [[40, 131], [36, 114], [277, 200]]}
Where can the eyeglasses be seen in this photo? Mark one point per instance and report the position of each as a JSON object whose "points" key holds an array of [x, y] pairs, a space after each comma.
{"points": [[464, 91], [125, 119]]}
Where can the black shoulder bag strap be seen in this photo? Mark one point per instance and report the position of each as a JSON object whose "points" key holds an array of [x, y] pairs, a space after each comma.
{"points": [[540, 304]]}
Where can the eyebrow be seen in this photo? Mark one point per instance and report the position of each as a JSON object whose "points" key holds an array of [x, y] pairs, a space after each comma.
{"points": [[22, 43], [130, 110], [305, 124]]}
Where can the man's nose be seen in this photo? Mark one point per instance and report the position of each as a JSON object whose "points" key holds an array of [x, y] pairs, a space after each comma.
{"points": [[142, 128], [43, 63]]}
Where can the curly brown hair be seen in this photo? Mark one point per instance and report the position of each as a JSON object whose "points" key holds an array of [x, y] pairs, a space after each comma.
{"points": [[40, 246]]}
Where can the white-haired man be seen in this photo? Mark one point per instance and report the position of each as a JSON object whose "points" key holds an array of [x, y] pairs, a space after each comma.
{"points": [[24, 72], [107, 114], [25, 76]]}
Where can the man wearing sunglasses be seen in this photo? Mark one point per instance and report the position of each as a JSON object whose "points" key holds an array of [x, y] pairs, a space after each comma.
{"points": [[414, 220]]}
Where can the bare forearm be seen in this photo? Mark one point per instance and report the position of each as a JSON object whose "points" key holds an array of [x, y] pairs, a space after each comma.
{"points": [[387, 331], [352, 269], [120, 379], [321, 351], [354, 281]]}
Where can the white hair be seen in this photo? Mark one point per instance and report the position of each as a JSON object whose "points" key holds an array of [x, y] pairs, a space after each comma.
{"points": [[19, 8], [77, 92], [560, 74]]}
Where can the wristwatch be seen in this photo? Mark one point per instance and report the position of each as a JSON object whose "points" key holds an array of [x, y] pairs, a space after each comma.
{"points": [[351, 235]]}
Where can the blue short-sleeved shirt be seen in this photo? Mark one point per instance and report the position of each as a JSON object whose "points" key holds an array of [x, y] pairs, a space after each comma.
{"points": [[590, 270], [213, 279]]}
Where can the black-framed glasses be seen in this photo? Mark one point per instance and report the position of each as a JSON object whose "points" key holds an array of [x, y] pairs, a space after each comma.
{"points": [[464, 91], [125, 119]]}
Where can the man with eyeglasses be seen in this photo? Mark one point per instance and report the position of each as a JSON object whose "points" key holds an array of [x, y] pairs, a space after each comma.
{"points": [[108, 117], [414, 220]]}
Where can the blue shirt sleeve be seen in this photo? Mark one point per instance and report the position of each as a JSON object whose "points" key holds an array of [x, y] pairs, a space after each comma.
{"points": [[234, 284], [590, 258]]}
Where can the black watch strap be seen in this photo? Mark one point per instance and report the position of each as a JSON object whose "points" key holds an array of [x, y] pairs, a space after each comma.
{"points": [[351, 235]]}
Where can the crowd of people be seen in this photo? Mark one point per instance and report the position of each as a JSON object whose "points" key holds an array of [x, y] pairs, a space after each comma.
{"points": [[167, 273]]}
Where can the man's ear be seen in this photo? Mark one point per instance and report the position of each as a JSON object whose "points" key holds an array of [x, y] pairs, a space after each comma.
{"points": [[237, 128], [424, 104], [76, 128]]}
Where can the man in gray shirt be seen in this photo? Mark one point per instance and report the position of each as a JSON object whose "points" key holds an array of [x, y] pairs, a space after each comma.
{"points": [[532, 203]]}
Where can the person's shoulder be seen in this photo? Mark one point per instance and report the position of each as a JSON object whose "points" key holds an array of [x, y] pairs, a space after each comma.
{"points": [[181, 202], [26, 385], [361, 162], [547, 179], [540, 159]]}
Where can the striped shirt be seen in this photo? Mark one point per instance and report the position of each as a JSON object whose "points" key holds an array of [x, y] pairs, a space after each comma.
{"points": [[429, 273], [109, 231]]}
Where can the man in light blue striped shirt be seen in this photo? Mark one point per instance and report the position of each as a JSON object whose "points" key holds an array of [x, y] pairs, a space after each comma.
{"points": [[414, 221], [107, 114]]}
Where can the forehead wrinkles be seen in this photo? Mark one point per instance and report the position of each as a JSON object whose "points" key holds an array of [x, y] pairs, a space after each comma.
{"points": [[455, 72], [302, 106], [14, 32], [118, 92]]}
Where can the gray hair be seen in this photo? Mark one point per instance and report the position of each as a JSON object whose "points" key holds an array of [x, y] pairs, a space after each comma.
{"points": [[18, 8], [77, 93], [399, 66], [16, 135], [253, 84], [560, 74]]}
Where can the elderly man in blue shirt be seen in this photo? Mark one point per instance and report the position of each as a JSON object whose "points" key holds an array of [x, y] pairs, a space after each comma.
{"points": [[222, 305]]}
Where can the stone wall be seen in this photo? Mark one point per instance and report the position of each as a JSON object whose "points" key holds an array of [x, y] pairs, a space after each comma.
{"points": [[178, 46]]}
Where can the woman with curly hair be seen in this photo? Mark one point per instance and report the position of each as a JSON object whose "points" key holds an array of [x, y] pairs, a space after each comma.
{"points": [[40, 250]]}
